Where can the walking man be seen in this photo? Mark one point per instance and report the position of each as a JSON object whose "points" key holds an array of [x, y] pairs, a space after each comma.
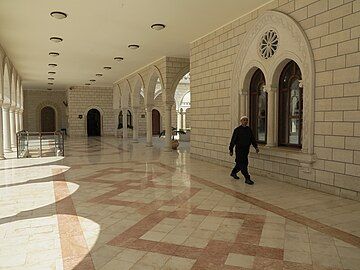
{"points": [[242, 138]]}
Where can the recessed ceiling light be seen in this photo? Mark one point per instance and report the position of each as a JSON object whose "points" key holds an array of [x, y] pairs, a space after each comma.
{"points": [[92, 80], [58, 15], [50, 83], [51, 79], [98, 74], [119, 59], [107, 68], [51, 72], [158, 26], [52, 65], [133, 46], [56, 39], [87, 83], [54, 54], [49, 89]]}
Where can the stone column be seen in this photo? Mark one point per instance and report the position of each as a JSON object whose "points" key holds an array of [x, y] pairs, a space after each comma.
{"points": [[168, 131], [6, 128], [271, 116], [21, 123], [178, 119], [184, 120], [148, 111], [181, 119], [17, 121], [135, 124], [125, 130], [116, 120], [12, 128], [1, 133], [243, 99]]}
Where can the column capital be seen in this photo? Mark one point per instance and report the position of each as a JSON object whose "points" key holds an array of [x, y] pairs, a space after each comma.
{"points": [[12, 108], [270, 88], [243, 92], [6, 106]]}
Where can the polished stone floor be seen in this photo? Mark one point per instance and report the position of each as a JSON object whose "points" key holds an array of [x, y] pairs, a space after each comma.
{"points": [[120, 205]]}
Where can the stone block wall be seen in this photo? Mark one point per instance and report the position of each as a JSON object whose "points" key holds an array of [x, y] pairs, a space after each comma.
{"points": [[333, 29], [35, 100], [81, 100]]}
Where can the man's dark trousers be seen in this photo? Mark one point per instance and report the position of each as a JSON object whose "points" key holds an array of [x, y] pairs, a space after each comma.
{"points": [[242, 162]]}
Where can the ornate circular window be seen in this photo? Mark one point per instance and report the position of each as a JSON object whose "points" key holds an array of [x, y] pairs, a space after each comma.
{"points": [[269, 44]]}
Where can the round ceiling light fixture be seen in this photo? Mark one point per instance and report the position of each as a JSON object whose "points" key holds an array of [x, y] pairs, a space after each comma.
{"points": [[51, 72], [49, 89], [87, 83], [107, 68], [50, 83], [92, 80], [52, 65], [56, 39], [54, 54], [158, 26], [133, 46], [118, 58], [51, 79], [98, 74], [58, 15]]}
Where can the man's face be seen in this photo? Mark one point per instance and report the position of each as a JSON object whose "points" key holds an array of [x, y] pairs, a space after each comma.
{"points": [[244, 121]]}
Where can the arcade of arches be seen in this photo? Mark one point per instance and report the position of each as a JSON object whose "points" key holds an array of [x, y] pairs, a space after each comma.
{"points": [[122, 198]]}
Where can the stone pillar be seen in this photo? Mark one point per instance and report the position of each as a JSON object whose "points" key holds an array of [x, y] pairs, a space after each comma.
{"points": [[17, 121], [135, 124], [271, 116], [21, 119], [168, 131], [148, 111], [243, 99], [6, 128], [181, 119], [12, 128], [1, 133], [178, 119], [125, 130], [184, 120], [116, 121]]}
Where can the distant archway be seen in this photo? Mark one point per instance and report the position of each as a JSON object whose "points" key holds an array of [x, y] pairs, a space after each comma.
{"points": [[155, 122], [48, 119], [93, 123]]}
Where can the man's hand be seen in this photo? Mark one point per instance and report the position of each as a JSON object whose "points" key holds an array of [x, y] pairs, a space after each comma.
{"points": [[257, 150], [231, 153]]}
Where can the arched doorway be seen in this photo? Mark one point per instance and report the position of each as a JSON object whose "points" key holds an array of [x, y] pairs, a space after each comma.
{"points": [[155, 122], [48, 119], [93, 123]]}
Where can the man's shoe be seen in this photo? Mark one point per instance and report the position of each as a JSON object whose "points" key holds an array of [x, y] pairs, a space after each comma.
{"points": [[249, 182], [234, 176]]}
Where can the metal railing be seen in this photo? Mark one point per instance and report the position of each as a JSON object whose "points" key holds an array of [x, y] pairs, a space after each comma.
{"points": [[39, 144]]}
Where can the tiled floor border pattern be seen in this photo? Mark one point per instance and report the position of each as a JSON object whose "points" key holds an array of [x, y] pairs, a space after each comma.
{"points": [[214, 254]]}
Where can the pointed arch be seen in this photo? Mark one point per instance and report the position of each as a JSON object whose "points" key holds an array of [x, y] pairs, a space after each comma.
{"points": [[7, 82], [176, 81], [155, 75], [136, 90]]}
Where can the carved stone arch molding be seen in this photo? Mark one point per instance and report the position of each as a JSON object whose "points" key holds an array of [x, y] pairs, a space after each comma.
{"points": [[293, 45], [154, 74], [137, 84]]}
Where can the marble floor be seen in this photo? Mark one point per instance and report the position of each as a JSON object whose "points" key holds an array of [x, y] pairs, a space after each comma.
{"points": [[111, 204]]}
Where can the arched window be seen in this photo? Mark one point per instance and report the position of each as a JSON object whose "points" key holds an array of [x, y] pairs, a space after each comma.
{"points": [[290, 106], [129, 119], [258, 106]]}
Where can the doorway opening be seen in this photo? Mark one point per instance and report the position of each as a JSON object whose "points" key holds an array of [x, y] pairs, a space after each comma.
{"points": [[93, 123], [48, 119], [155, 122]]}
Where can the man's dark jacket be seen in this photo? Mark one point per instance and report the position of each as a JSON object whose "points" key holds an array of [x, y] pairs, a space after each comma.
{"points": [[242, 138]]}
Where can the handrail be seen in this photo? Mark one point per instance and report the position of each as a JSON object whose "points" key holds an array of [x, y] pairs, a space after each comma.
{"points": [[41, 142]]}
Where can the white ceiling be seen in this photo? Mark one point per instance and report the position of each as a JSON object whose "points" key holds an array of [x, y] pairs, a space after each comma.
{"points": [[96, 31]]}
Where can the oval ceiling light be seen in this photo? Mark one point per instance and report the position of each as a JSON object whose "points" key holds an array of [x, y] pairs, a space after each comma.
{"points": [[51, 79], [158, 26], [87, 83], [58, 15], [119, 59], [92, 80], [54, 54], [107, 68], [56, 39], [98, 74], [50, 83], [133, 46], [51, 72], [49, 89], [52, 65]]}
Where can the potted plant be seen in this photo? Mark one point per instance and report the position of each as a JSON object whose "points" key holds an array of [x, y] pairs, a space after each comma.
{"points": [[174, 143]]}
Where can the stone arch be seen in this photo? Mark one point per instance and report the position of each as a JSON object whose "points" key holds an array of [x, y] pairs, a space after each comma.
{"points": [[101, 111], [6, 82], [155, 74], [57, 110], [136, 89], [18, 93], [293, 45], [176, 81], [13, 87]]}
